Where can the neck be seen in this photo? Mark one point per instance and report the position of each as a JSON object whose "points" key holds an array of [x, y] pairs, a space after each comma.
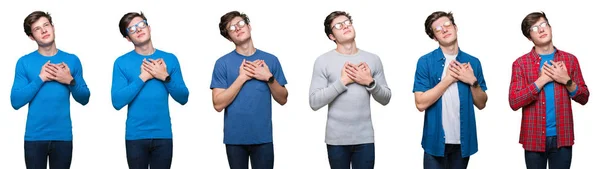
{"points": [[544, 49], [347, 48], [49, 50], [245, 48], [451, 49], [145, 49]]}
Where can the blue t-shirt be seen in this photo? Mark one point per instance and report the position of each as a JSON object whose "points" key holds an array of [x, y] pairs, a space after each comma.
{"points": [[148, 103], [248, 117], [49, 113], [549, 90]]}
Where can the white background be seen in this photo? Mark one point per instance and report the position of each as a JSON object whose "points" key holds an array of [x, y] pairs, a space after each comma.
{"points": [[293, 31]]}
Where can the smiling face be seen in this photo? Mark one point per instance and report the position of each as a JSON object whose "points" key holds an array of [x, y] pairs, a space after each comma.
{"points": [[342, 29], [444, 31], [138, 31], [42, 32], [238, 30], [540, 32]]}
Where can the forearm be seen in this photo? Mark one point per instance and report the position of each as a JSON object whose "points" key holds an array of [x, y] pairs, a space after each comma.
{"points": [[123, 95], [224, 98], [80, 92], [279, 92], [425, 99], [320, 97], [21, 95], [381, 93], [479, 97], [178, 90], [523, 95]]}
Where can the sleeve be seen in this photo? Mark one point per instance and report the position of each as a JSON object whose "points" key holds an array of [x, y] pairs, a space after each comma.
{"points": [[421, 82], [23, 89], [278, 72], [123, 91], [176, 87], [219, 76], [80, 92], [582, 92], [380, 91], [320, 93], [520, 92]]}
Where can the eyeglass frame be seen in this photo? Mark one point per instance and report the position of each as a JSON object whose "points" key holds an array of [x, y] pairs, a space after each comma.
{"points": [[342, 23], [136, 26], [545, 23], [440, 27], [237, 25]]}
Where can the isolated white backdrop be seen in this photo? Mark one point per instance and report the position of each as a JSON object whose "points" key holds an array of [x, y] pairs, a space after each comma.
{"points": [[293, 31]]}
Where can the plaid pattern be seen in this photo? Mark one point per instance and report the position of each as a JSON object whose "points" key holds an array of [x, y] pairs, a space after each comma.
{"points": [[523, 94]]}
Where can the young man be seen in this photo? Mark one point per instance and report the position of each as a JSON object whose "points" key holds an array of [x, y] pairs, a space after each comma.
{"points": [[448, 82], [345, 78], [243, 82], [143, 79], [45, 79], [542, 85]]}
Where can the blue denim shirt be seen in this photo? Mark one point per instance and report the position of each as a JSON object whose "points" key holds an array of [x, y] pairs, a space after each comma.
{"points": [[428, 75]]}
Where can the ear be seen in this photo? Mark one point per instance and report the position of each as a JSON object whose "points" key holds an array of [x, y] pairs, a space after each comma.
{"points": [[331, 37], [127, 37], [249, 28], [31, 37]]}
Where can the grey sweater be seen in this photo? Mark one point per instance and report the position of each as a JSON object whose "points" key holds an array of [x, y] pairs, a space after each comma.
{"points": [[349, 113]]}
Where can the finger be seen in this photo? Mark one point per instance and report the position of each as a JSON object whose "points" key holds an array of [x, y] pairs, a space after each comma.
{"points": [[251, 64], [50, 68], [248, 69], [548, 70], [50, 72], [147, 66], [350, 74], [147, 70]]}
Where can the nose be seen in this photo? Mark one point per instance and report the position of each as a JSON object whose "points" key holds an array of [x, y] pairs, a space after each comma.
{"points": [[541, 30]]}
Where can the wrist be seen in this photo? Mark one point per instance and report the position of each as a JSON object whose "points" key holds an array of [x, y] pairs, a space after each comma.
{"points": [[144, 79]]}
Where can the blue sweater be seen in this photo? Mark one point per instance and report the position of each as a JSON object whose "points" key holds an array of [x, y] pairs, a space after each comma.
{"points": [[148, 103], [49, 113]]}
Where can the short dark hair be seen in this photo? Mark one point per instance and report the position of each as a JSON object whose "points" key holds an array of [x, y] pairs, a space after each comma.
{"points": [[531, 19], [126, 19], [225, 19], [330, 18], [33, 17], [435, 16]]}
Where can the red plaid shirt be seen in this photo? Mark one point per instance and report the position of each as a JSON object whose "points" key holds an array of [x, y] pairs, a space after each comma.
{"points": [[523, 94]]}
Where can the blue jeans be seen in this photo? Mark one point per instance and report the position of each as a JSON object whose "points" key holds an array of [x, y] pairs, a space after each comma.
{"points": [[59, 153], [452, 159], [557, 158], [361, 156], [156, 153], [261, 156]]}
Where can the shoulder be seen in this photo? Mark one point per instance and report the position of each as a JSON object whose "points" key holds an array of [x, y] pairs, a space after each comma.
{"points": [[565, 54], [28, 56], [68, 55], [522, 59], [423, 59], [124, 57], [226, 57], [326, 56], [266, 55], [470, 57]]}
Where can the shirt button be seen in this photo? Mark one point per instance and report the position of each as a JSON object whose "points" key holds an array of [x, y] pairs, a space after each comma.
{"points": [[439, 78], [543, 102]]}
